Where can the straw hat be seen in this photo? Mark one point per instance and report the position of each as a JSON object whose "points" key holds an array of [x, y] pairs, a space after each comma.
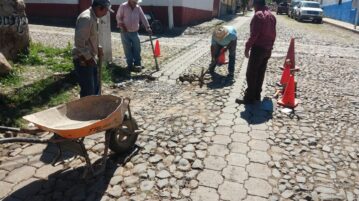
{"points": [[220, 33]]}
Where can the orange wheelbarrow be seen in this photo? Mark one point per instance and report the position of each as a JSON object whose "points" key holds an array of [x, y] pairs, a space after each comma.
{"points": [[72, 122]]}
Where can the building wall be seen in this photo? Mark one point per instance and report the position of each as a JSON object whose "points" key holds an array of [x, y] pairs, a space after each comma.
{"points": [[343, 12], [185, 12]]}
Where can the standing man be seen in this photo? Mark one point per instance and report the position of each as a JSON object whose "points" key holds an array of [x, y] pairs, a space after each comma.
{"points": [[86, 46], [128, 17], [260, 45], [223, 38]]}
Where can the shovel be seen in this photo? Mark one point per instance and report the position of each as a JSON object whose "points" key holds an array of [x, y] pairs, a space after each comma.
{"points": [[99, 70], [153, 51]]}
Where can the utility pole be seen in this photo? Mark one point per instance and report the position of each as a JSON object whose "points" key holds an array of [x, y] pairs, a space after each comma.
{"points": [[356, 18], [105, 37], [170, 14]]}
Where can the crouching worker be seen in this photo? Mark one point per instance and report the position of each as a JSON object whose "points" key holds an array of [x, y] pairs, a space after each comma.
{"points": [[224, 37], [86, 47]]}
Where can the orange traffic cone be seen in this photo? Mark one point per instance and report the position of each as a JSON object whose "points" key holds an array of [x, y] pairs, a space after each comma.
{"points": [[157, 49], [290, 54], [222, 57], [288, 99], [286, 72]]}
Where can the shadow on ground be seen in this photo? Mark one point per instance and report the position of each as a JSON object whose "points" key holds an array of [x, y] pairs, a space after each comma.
{"points": [[219, 81], [120, 74], [67, 184], [259, 112]]}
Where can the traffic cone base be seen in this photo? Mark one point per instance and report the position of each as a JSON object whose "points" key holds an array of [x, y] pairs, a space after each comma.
{"points": [[288, 99], [287, 104], [157, 51]]}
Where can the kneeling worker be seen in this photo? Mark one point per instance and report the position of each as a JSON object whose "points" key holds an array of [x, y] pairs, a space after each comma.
{"points": [[224, 37]]}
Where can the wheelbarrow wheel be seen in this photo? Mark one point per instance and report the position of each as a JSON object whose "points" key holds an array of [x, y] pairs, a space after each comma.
{"points": [[122, 139]]}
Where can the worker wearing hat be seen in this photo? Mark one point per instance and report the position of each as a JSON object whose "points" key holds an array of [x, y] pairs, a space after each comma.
{"points": [[258, 49], [129, 15], [86, 46], [224, 37]]}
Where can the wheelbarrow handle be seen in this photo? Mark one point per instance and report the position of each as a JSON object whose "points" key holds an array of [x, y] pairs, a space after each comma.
{"points": [[19, 130]]}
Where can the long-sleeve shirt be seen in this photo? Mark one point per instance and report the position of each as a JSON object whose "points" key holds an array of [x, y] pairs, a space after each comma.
{"points": [[130, 18], [86, 35], [262, 30]]}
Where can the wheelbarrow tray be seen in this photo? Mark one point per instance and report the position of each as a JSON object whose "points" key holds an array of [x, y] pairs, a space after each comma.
{"points": [[82, 117]]}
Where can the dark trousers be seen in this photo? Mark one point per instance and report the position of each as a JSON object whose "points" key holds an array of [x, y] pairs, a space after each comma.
{"points": [[232, 55], [87, 79], [256, 69]]}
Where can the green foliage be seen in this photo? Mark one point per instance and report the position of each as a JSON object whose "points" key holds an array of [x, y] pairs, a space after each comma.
{"points": [[56, 59]]}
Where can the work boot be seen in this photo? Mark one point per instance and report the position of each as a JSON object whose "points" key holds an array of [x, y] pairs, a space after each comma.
{"points": [[244, 101], [136, 69]]}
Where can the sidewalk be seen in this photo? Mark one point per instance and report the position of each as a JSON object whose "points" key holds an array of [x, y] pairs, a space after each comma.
{"points": [[341, 24]]}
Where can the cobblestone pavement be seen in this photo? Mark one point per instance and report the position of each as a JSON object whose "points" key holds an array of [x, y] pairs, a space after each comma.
{"points": [[199, 145]]}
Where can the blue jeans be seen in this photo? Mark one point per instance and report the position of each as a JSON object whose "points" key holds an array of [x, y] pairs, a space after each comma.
{"points": [[132, 48], [87, 78], [232, 55]]}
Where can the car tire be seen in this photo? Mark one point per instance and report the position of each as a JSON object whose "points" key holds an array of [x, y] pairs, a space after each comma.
{"points": [[320, 21]]}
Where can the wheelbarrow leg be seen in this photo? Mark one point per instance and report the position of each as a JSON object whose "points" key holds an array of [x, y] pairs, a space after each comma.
{"points": [[58, 155], [87, 159], [104, 157]]}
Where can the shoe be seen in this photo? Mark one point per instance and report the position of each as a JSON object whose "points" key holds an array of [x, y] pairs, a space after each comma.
{"points": [[139, 66], [136, 69], [243, 101]]}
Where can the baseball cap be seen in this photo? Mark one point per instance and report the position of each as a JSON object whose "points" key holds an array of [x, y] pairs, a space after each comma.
{"points": [[105, 3]]}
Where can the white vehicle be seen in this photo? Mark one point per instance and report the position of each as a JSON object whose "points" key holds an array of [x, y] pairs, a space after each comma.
{"points": [[309, 10]]}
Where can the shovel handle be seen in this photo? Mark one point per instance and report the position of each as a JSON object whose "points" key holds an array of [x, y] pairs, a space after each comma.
{"points": [[153, 51], [99, 70]]}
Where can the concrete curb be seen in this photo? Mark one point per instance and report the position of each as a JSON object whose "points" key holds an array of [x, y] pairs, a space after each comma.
{"points": [[343, 27]]}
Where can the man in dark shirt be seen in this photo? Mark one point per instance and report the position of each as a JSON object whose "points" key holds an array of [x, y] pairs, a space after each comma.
{"points": [[260, 45]]}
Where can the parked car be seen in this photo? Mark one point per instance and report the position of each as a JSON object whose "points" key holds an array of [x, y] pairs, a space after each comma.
{"points": [[309, 10], [282, 8], [292, 7]]}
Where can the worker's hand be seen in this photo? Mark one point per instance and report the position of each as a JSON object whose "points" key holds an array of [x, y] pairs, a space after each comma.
{"points": [[100, 52], [246, 53], [149, 30], [91, 62]]}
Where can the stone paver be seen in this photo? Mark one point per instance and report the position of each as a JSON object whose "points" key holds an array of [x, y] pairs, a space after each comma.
{"points": [[258, 187], [223, 130], [47, 170], [231, 191], [214, 163], [238, 147], [234, 173], [240, 137], [258, 156], [20, 174], [204, 193], [221, 139], [258, 170], [237, 159], [5, 188], [218, 150], [199, 144], [260, 145], [210, 178]]}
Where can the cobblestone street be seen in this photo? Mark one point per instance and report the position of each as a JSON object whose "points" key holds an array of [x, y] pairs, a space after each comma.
{"points": [[199, 145]]}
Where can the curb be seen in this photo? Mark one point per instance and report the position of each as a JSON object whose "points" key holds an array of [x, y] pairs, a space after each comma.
{"points": [[343, 27]]}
